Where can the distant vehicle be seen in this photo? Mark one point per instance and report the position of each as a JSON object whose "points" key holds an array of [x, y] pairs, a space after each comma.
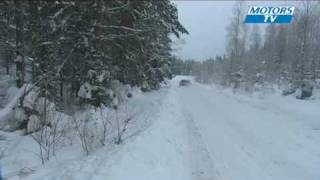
{"points": [[185, 82]]}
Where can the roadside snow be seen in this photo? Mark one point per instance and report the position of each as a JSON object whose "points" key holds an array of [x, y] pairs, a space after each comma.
{"points": [[267, 138], [7, 113], [193, 132], [168, 148]]}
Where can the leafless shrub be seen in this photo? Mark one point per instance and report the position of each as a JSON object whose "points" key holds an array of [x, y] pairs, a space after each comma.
{"points": [[48, 134], [122, 124], [93, 129], [105, 120], [83, 134]]}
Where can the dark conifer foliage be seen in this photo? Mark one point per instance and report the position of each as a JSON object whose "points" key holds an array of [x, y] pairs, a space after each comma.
{"points": [[75, 42]]}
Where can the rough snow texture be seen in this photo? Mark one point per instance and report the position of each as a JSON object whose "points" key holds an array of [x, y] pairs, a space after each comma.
{"points": [[7, 114], [33, 124], [195, 132]]}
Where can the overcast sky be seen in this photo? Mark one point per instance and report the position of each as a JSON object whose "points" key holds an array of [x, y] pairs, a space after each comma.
{"points": [[206, 22]]}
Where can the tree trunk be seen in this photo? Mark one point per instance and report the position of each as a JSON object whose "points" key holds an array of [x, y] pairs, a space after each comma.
{"points": [[18, 16]]}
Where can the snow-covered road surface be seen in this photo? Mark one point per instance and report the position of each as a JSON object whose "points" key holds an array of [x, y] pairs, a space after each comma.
{"points": [[254, 140], [203, 133]]}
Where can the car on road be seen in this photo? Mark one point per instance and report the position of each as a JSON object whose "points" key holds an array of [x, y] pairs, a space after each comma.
{"points": [[185, 82]]}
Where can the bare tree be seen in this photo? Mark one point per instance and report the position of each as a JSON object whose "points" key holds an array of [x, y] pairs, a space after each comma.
{"points": [[236, 40]]}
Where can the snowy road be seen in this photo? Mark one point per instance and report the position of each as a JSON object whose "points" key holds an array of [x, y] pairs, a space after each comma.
{"points": [[203, 133], [248, 140]]}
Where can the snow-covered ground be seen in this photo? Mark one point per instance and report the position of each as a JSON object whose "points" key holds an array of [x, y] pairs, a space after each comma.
{"points": [[196, 132], [249, 138]]}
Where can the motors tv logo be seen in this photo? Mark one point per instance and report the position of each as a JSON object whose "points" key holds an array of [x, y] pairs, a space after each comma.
{"points": [[269, 14]]}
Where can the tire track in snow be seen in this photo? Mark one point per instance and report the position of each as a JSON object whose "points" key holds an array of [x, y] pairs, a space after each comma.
{"points": [[201, 160], [198, 158]]}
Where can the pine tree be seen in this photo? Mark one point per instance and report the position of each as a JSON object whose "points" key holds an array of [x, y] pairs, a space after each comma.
{"points": [[94, 42]]}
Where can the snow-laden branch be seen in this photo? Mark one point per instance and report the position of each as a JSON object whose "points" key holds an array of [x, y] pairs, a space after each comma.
{"points": [[120, 27], [58, 13], [117, 8]]}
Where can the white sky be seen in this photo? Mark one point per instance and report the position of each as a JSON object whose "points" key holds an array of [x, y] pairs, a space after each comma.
{"points": [[206, 22]]}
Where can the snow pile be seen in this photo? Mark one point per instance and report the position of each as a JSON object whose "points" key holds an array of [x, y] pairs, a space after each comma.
{"points": [[8, 115], [84, 132], [193, 132], [162, 151], [7, 89]]}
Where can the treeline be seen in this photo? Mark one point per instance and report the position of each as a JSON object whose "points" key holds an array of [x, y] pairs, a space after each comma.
{"points": [[282, 54], [95, 42]]}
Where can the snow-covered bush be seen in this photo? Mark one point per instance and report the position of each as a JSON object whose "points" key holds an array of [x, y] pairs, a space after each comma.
{"points": [[85, 91], [306, 88], [121, 91], [110, 94], [95, 90], [301, 89]]}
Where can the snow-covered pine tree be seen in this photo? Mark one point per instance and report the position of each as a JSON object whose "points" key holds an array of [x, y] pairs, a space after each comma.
{"points": [[94, 42]]}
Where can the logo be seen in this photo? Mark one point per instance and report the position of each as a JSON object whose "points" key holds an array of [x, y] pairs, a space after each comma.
{"points": [[269, 14]]}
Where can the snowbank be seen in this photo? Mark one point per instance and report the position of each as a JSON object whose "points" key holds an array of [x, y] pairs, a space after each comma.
{"points": [[7, 116], [142, 107]]}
